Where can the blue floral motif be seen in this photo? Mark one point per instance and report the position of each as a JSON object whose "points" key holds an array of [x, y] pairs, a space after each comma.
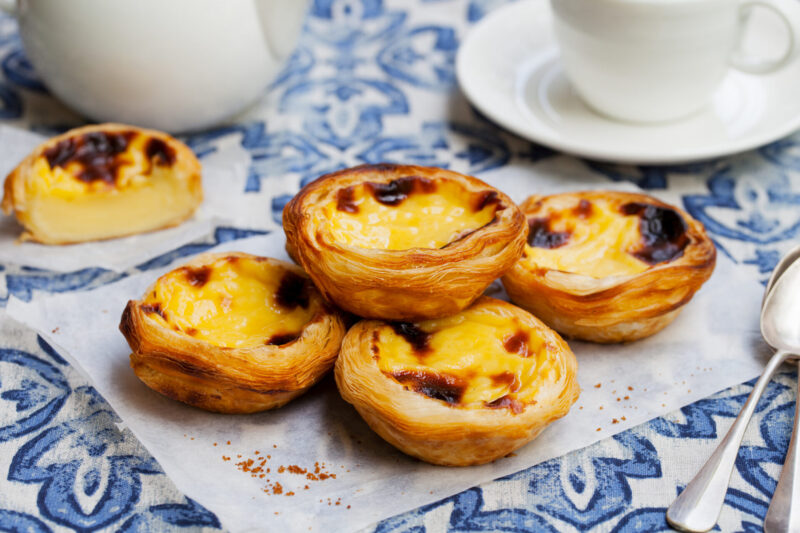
{"points": [[93, 489], [15, 522], [758, 207], [298, 64], [606, 479], [343, 111], [423, 57], [279, 153], [190, 514], [775, 429], [19, 71], [765, 260], [477, 9], [700, 415], [272, 153], [784, 153], [643, 520], [10, 102], [35, 387], [482, 149], [345, 24], [22, 285], [648, 177]]}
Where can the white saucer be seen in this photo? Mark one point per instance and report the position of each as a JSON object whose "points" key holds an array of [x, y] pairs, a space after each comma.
{"points": [[508, 68]]}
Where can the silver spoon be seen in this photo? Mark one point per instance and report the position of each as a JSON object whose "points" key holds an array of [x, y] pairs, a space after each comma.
{"points": [[697, 508], [780, 326]]}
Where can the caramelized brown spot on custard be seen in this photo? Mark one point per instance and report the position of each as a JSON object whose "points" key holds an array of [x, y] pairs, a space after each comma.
{"points": [[394, 192], [197, 277], [346, 201], [159, 152], [508, 379], [583, 209], [515, 406], [412, 333], [96, 152], [486, 198], [540, 236], [517, 343], [292, 291], [153, 308], [191, 332], [663, 232], [282, 338], [376, 337], [434, 385]]}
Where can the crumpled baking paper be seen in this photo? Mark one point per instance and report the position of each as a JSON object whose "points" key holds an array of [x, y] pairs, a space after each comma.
{"points": [[314, 465]]}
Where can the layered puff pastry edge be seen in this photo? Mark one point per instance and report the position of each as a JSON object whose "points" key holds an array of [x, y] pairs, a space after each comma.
{"points": [[608, 266], [101, 182], [462, 390], [401, 242], [232, 333]]}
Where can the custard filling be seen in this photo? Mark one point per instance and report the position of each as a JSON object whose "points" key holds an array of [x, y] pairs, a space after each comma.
{"points": [[600, 239], [406, 213], [476, 358], [100, 185], [233, 302]]}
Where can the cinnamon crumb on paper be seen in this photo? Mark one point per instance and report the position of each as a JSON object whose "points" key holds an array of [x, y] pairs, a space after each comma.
{"points": [[598, 385]]}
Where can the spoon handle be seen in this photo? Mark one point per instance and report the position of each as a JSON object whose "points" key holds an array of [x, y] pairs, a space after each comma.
{"points": [[781, 517], [697, 508]]}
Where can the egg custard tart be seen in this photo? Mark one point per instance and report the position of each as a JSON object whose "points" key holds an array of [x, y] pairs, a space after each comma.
{"points": [[101, 182], [462, 390], [402, 242], [232, 333], [609, 266]]}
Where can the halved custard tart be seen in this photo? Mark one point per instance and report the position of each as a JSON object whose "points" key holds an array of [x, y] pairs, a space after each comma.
{"points": [[462, 390], [232, 333], [403, 242], [609, 266], [101, 182]]}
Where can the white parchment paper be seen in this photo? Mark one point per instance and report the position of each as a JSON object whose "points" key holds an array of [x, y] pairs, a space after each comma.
{"points": [[224, 174], [219, 460]]}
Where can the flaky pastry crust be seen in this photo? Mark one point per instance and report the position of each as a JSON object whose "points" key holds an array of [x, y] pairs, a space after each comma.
{"points": [[228, 379], [454, 434], [98, 163], [615, 308], [401, 284]]}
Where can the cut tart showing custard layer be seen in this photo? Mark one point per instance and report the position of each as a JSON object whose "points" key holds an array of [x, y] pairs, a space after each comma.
{"points": [[233, 333], [402, 242], [462, 390], [101, 182], [609, 266]]}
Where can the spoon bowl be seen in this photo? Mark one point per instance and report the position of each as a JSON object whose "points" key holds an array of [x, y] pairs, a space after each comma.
{"points": [[780, 315]]}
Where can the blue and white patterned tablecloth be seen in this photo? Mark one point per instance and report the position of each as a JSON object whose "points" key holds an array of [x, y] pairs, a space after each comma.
{"points": [[373, 81]]}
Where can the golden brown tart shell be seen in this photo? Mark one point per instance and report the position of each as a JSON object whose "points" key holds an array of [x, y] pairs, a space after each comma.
{"points": [[613, 308], [454, 435], [411, 284], [97, 156], [232, 380]]}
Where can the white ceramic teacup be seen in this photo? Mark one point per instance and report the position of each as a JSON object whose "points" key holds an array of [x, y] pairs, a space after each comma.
{"points": [[656, 60], [175, 65]]}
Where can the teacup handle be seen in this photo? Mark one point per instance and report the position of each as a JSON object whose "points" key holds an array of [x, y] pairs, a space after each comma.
{"points": [[758, 66]]}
